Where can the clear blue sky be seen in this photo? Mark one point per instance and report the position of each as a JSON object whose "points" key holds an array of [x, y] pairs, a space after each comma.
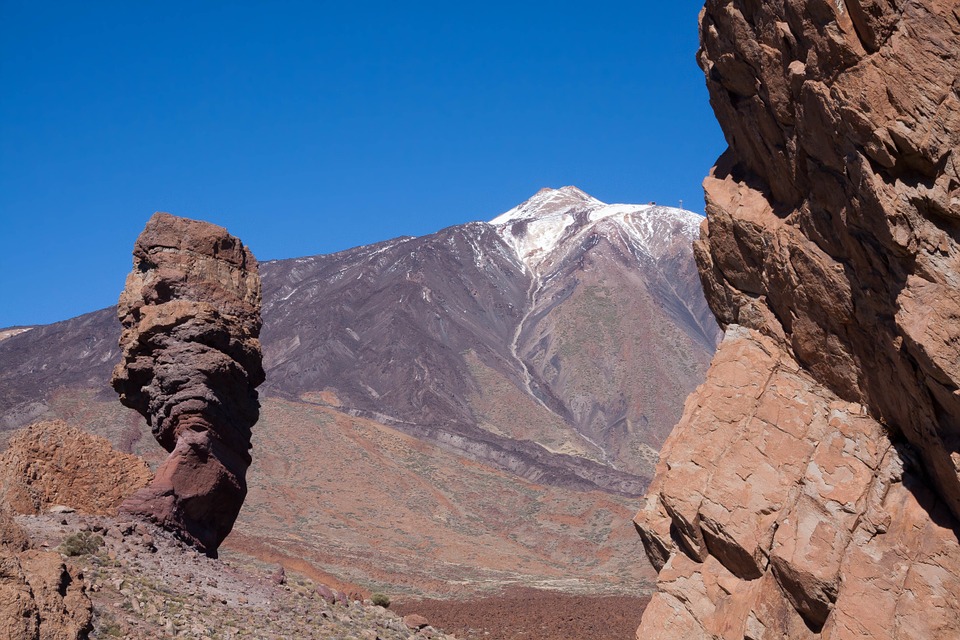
{"points": [[312, 127]]}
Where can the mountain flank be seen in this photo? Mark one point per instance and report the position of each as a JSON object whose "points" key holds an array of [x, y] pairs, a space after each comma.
{"points": [[432, 334]]}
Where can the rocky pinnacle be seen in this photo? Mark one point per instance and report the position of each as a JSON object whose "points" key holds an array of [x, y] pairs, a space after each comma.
{"points": [[191, 364]]}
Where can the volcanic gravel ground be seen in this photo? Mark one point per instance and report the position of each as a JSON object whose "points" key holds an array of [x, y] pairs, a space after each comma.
{"points": [[525, 613]]}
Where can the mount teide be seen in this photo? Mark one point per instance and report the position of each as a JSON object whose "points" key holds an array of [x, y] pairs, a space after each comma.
{"points": [[525, 330], [554, 345], [565, 323]]}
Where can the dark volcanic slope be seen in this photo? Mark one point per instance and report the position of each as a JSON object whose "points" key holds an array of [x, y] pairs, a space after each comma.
{"points": [[392, 331], [557, 342], [386, 325], [80, 352]]}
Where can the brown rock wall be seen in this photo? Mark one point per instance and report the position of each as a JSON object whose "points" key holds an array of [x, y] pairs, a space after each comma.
{"points": [[12, 535], [834, 219], [779, 508], [191, 364], [812, 487]]}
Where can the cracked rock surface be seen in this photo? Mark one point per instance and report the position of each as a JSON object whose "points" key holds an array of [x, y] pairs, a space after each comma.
{"points": [[812, 486], [40, 597], [52, 464]]}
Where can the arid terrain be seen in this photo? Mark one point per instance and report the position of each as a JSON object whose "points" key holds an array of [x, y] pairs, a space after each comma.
{"points": [[460, 417], [464, 423], [142, 583], [522, 613], [120, 576]]}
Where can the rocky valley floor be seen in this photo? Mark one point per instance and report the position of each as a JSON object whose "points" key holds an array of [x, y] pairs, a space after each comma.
{"points": [[522, 613], [143, 583], [337, 497], [501, 557]]}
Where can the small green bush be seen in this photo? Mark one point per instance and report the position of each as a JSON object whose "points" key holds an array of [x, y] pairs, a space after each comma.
{"points": [[380, 600], [81, 543]]}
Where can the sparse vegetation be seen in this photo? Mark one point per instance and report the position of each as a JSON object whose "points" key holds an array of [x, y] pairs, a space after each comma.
{"points": [[381, 600], [80, 543]]}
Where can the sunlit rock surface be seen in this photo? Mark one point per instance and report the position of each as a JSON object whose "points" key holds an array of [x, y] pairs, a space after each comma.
{"points": [[811, 488]]}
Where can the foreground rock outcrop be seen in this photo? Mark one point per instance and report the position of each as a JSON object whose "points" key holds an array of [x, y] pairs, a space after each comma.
{"points": [[50, 463], [144, 583], [812, 487], [40, 598], [191, 364]]}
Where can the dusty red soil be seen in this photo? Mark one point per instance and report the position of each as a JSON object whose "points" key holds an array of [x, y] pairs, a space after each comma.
{"points": [[532, 614]]}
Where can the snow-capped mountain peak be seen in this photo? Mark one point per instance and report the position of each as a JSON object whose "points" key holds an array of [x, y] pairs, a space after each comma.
{"points": [[548, 202], [540, 226]]}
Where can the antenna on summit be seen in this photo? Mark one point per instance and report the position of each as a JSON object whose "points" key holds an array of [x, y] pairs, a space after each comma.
{"points": [[681, 204]]}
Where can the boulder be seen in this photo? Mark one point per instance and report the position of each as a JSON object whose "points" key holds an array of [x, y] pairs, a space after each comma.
{"points": [[415, 621], [326, 593], [41, 598], [53, 467]]}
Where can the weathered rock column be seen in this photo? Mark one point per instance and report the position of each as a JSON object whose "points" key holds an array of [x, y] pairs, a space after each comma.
{"points": [[191, 364]]}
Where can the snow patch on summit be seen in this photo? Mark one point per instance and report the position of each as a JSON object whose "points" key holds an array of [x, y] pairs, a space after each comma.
{"points": [[537, 228], [547, 202]]}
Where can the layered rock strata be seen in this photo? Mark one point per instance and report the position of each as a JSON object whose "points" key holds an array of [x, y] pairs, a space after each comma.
{"points": [[812, 487], [191, 364]]}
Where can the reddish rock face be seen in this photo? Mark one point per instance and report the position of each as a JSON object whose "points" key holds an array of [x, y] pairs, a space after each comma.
{"points": [[191, 364], [51, 463], [812, 487], [39, 596]]}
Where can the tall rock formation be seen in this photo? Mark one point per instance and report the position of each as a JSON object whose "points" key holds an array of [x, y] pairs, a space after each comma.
{"points": [[812, 487], [191, 364]]}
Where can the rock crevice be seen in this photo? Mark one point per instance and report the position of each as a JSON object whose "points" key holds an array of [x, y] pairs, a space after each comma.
{"points": [[40, 597]]}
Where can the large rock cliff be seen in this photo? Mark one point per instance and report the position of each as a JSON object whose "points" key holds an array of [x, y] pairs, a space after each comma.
{"points": [[812, 487], [191, 364]]}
